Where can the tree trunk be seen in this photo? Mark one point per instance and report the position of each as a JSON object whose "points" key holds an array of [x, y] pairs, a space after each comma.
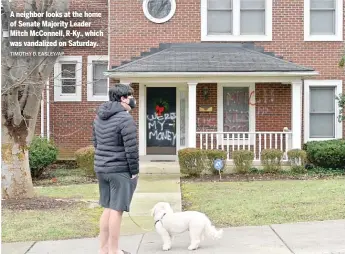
{"points": [[16, 181]]}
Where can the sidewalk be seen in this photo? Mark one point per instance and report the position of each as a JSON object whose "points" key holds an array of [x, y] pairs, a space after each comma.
{"points": [[327, 237]]}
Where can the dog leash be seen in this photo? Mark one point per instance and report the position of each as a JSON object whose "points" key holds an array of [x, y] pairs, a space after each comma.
{"points": [[147, 230]]}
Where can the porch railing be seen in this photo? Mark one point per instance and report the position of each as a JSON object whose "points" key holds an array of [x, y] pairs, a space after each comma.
{"points": [[254, 141]]}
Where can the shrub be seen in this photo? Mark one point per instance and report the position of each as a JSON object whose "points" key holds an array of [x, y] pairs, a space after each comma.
{"points": [[243, 160], [211, 156], [41, 154], [194, 161], [191, 161], [297, 159], [326, 154], [271, 160], [85, 160]]}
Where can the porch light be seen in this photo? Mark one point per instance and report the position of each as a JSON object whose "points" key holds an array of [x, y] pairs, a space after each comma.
{"points": [[205, 92]]}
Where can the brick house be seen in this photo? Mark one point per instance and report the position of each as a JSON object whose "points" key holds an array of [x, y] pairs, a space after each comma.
{"points": [[69, 110], [225, 74]]}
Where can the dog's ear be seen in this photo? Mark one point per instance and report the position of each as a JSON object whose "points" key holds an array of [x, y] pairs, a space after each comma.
{"points": [[167, 207]]}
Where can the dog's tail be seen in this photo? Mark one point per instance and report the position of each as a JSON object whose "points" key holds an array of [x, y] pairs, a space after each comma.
{"points": [[212, 232]]}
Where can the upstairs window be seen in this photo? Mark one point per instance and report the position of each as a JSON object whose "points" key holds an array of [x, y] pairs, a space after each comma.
{"points": [[323, 20], [236, 20]]}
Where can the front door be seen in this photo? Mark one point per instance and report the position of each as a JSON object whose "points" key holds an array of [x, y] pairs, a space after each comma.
{"points": [[161, 120]]}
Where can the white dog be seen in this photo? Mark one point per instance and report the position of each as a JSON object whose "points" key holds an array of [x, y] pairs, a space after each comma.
{"points": [[168, 223]]}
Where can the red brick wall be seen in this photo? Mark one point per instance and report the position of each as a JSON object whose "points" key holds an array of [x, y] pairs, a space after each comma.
{"points": [[206, 121], [272, 107], [70, 122]]}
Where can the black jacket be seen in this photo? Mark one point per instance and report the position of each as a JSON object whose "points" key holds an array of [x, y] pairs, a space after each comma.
{"points": [[115, 140]]}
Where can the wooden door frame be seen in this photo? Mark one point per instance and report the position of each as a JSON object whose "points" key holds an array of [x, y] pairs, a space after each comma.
{"points": [[143, 111]]}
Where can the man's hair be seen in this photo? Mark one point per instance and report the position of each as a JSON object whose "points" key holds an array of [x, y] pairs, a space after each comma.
{"points": [[119, 90]]}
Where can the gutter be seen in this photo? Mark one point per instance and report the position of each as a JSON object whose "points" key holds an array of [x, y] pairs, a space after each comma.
{"points": [[111, 74]]}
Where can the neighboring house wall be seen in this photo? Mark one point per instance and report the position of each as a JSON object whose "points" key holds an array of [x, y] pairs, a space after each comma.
{"points": [[70, 121]]}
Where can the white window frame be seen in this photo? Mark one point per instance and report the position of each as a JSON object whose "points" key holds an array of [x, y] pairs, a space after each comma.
{"points": [[58, 95], [338, 85], [220, 109], [90, 95], [338, 36], [236, 36], [162, 20]]}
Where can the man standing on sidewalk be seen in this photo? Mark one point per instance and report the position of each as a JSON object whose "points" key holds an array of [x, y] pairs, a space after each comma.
{"points": [[116, 163]]}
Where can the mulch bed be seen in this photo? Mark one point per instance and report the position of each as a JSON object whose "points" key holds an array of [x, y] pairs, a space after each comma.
{"points": [[38, 203], [48, 174], [252, 177]]}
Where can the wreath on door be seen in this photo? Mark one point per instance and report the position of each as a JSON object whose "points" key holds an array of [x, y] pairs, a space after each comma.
{"points": [[161, 107]]}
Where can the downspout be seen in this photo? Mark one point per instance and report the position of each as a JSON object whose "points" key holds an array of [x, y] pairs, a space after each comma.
{"points": [[48, 111], [42, 114]]}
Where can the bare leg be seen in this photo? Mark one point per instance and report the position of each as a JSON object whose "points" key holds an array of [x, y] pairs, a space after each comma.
{"points": [[115, 219], [104, 231]]}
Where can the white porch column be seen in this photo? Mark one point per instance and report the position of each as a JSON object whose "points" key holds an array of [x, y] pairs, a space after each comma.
{"points": [[296, 121], [192, 114]]}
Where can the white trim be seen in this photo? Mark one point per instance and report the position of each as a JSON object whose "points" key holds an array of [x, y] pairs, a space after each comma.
{"points": [[48, 109], [338, 36], [90, 96], [178, 121], [155, 20], [236, 36], [296, 116], [220, 108], [192, 114], [132, 75], [338, 84], [209, 80], [184, 89], [58, 96], [42, 114], [142, 119]]}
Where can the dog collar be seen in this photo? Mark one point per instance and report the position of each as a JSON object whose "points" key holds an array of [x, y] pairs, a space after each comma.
{"points": [[160, 219]]}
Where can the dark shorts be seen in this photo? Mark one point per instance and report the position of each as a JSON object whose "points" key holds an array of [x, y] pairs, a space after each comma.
{"points": [[116, 190]]}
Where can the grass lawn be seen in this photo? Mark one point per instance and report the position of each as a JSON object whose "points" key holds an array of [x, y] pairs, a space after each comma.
{"points": [[39, 225], [45, 218], [58, 213], [266, 202]]}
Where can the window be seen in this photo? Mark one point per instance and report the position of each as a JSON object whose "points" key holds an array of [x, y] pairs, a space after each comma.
{"points": [[235, 109], [321, 119], [323, 20], [100, 82], [219, 17], [252, 17], [68, 78], [236, 20], [234, 112], [97, 82]]}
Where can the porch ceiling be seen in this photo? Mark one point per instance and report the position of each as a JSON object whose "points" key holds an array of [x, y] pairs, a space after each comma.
{"points": [[208, 58]]}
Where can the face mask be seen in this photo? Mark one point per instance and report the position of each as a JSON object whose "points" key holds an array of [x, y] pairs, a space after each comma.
{"points": [[132, 103]]}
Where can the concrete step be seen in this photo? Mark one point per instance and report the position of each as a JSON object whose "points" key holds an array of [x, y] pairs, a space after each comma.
{"points": [[161, 167]]}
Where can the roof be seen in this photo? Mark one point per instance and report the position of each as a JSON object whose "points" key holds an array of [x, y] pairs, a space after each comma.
{"points": [[208, 57]]}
